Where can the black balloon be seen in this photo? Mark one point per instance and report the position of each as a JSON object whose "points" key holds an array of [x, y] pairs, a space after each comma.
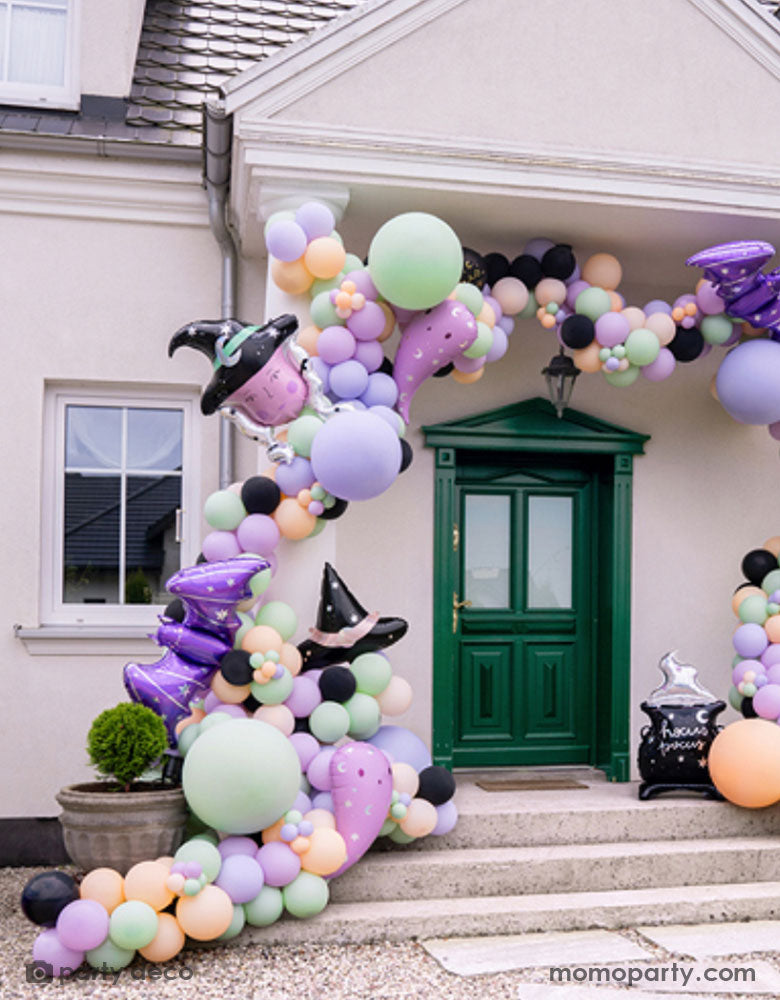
{"points": [[527, 269], [260, 495], [175, 610], [406, 455], [337, 684], [338, 508], [675, 746], [201, 559], [251, 704], [757, 563], [559, 262], [474, 270], [236, 668], [686, 345], [437, 785], [747, 709], [45, 895], [496, 266], [302, 726], [444, 370], [386, 367], [577, 331]]}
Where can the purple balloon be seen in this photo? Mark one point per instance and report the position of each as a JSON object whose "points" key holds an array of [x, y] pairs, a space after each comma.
{"points": [[322, 800], [286, 240], [362, 787], [219, 546], [773, 674], [302, 803], [612, 329], [380, 391], [662, 367], [241, 877], [356, 456], [363, 283], [292, 477], [766, 702], [370, 354], [573, 290], [708, 300], [538, 247], [167, 687], [657, 306], [367, 323], [306, 746], [495, 305], [747, 382], [738, 673], [195, 644], [304, 698], [237, 845], [318, 771], [771, 657], [403, 746], [322, 369], [83, 924], [258, 533], [447, 814], [468, 365], [335, 344], [750, 640], [391, 417], [348, 379], [48, 949], [499, 346], [315, 219], [507, 324], [574, 276], [236, 711], [279, 862]]}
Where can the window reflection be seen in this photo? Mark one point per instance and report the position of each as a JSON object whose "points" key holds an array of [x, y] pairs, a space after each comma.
{"points": [[487, 550], [549, 576]]}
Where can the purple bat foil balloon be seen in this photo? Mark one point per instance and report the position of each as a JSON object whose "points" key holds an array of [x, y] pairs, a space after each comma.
{"points": [[432, 340], [210, 592], [735, 271], [201, 647], [168, 686]]}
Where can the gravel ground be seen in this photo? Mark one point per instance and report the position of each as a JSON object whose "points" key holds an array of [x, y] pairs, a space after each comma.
{"points": [[382, 971]]}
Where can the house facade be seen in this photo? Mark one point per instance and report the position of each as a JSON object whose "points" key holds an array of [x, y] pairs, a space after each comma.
{"points": [[595, 128]]}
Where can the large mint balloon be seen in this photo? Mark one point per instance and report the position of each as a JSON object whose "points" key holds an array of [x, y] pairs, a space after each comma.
{"points": [[415, 260], [241, 777]]}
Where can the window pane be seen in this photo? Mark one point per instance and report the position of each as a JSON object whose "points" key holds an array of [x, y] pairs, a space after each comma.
{"points": [[549, 552], [37, 46], [486, 551], [93, 437], [151, 551], [3, 28], [91, 555], [154, 439]]}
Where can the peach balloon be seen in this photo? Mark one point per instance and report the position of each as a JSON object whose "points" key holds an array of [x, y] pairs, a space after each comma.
{"points": [[262, 638], [487, 315], [714, 388], [207, 915], [146, 881], [292, 277], [635, 317], [324, 257], [231, 694], [307, 338], [616, 301], [291, 658], [772, 628], [326, 852], [663, 327], [467, 378], [604, 270], [273, 832], [741, 594], [511, 294], [550, 290], [389, 321], [744, 763], [195, 716], [278, 716], [105, 886], [421, 817], [773, 545], [396, 697], [293, 521], [165, 859], [320, 818], [405, 779], [167, 942], [587, 358]]}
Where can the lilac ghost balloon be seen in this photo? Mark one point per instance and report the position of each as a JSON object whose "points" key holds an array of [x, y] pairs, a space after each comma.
{"points": [[362, 791], [168, 686], [432, 340]]}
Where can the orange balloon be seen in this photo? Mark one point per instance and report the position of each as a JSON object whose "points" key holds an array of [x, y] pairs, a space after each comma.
{"points": [[307, 338], [262, 638], [207, 915], [292, 277], [146, 881], [167, 942], [587, 358], [772, 628], [741, 594], [604, 270], [421, 817], [291, 658], [389, 321], [195, 716], [324, 257], [744, 763], [273, 832], [467, 378], [326, 853], [293, 521], [773, 545], [231, 694], [405, 779], [616, 301], [105, 886]]}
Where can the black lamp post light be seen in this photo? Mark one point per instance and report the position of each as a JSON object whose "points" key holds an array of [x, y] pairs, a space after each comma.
{"points": [[560, 375]]}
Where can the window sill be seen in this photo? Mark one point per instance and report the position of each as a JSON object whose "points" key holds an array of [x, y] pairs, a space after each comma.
{"points": [[87, 640]]}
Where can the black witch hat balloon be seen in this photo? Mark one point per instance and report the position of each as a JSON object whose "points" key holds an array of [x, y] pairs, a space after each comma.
{"points": [[344, 628]]}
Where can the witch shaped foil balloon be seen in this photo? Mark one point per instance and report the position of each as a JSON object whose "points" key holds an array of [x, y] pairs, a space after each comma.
{"points": [[735, 271], [675, 746]]}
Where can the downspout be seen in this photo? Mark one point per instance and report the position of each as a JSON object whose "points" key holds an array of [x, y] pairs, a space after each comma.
{"points": [[217, 143]]}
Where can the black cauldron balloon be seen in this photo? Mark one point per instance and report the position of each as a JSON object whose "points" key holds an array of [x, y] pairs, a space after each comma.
{"points": [[735, 271], [674, 748]]}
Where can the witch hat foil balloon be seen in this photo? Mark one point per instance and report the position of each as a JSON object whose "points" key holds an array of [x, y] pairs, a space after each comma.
{"points": [[344, 628], [735, 271], [210, 592]]}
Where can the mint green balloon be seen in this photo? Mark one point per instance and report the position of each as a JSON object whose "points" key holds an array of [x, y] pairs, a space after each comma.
{"points": [[605, 354], [387, 828], [748, 689], [364, 716], [337, 237], [109, 956], [482, 344], [353, 263], [735, 698], [372, 673], [187, 737], [224, 510], [266, 908], [306, 896], [206, 834], [737, 659], [399, 837], [236, 924], [642, 347], [273, 692], [470, 296], [323, 312], [259, 583], [716, 329], [301, 432], [319, 527], [530, 307], [593, 302], [773, 608], [628, 377], [132, 925], [771, 581], [753, 609], [320, 285], [619, 351], [415, 260], [213, 719], [280, 616], [204, 853], [329, 721]]}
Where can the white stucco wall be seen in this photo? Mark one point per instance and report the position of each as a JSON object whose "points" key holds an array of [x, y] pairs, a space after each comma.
{"points": [[109, 31]]}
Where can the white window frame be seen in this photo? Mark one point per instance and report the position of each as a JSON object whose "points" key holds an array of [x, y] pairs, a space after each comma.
{"points": [[53, 610], [66, 97]]}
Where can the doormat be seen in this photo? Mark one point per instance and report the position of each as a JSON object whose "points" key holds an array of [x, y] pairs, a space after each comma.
{"points": [[528, 784]]}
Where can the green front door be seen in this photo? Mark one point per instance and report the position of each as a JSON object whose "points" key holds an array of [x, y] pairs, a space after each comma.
{"points": [[523, 594]]}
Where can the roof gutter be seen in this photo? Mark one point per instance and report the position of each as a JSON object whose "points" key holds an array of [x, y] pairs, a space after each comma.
{"points": [[217, 145]]}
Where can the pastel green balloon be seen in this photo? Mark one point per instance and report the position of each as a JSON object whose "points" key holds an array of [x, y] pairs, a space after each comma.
{"points": [[320, 285], [737, 659], [187, 737], [593, 302], [748, 689], [301, 432], [716, 329], [306, 896], [329, 721], [605, 354], [618, 351], [132, 925], [735, 698], [280, 616], [530, 307], [258, 584], [470, 296], [213, 719], [482, 344], [323, 312], [224, 510], [364, 716], [753, 609], [642, 347], [266, 908], [372, 673], [771, 581], [620, 379], [236, 924], [109, 956], [318, 528], [273, 692], [353, 263], [337, 237], [206, 834], [399, 837], [204, 853], [387, 828]]}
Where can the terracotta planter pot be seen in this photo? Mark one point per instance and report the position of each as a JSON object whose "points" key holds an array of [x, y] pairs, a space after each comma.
{"points": [[114, 829]]}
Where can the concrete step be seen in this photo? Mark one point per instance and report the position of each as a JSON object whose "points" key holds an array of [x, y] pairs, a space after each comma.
{"points": [[407, 874], [399, 920]]}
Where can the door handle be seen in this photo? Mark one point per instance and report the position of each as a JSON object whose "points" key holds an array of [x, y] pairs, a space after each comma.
{"points": [[456, 606]]}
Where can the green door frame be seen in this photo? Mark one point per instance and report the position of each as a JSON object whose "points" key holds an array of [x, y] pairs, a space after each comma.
{"points": [[533, 428]]}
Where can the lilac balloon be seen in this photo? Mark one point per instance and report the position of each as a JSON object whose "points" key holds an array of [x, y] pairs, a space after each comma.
{"points": [[771, 658], [507, 324], [322, 800], [48, 949], [315, 219], [404, 316], [573, 290], [574, 276], [403, 746], [335, 344], [468, 365], [280, 863], [750, 640], [747, 382], [612, 364], [286, 240], [657, 306], [363, 282], [318, 771], [302, 802], [773, 674], [380, 391], [662, 367], [370, 354], [495, 305], [612, 329], [356, 456], [321, 369], [167, 687], [237, 845], [236, 711], [218, 546], [738, 673], [210, 702], [82, 925], [447, 814], [353, 404], [708, 300], [258, 533], [306, 746], [241, 877], [766, 702], [538, 247], [292, 477], [391, 417], [348, 380], [367, 323], [304, 698], [499, 346]]}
